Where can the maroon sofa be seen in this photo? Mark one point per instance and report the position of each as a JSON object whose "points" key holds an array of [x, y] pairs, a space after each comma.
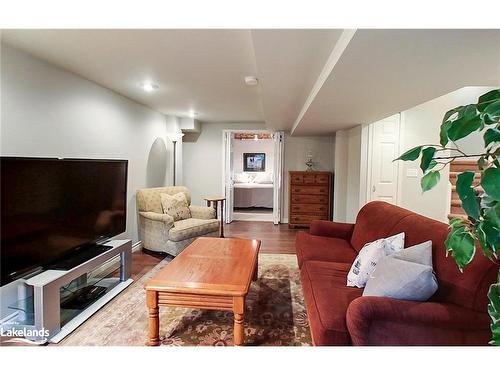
{"points": [[340, 315]]}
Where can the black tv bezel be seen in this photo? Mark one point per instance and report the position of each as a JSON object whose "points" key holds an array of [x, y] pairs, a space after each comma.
{"points": [[87, 244]]}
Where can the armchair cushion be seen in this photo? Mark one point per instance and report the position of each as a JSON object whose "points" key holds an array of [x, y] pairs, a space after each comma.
{"points": [[176, 206], [328, 249], [165, 218], [199, 212], [191, 228]]}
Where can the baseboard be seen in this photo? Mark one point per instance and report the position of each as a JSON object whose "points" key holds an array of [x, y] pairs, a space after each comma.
{"points": [[137, 246]]}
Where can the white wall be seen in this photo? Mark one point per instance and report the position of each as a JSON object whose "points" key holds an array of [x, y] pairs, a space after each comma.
{"points": [[296, 150], [49, 112], [348, 154], [243, 146], [421, 125], [202, 158]]}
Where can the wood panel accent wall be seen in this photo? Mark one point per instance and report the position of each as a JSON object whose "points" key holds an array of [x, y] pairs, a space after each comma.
{"points": [[310, 197]]}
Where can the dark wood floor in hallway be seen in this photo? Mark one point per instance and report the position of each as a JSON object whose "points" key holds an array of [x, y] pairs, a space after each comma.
{"points": [[276, 239]]}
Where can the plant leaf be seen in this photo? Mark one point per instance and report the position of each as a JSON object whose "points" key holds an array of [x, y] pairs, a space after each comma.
{"points": [[494, 311], [493, 111], [491, 228], [429, 180], [427, 155], [461, 245], [443, 133], [490, 182], [467, 195], [492, 237], [482, 239], [450, 113], [488, 98], [411, 154], [480, 162], [463, 127], [490, 136]]}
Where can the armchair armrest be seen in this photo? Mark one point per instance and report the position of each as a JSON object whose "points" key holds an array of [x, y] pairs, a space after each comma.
{"points": [[165, 218], [199, 212], [383, 320], [326, 228]]}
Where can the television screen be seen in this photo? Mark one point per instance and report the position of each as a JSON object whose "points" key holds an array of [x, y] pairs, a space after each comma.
{"points": [[51, 208]]}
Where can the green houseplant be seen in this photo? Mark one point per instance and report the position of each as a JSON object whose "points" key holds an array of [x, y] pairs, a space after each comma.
{"points": [[480, 200]]}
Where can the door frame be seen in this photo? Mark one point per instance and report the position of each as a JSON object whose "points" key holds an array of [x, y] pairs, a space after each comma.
{"points": [[366, 161], [277, 215]]}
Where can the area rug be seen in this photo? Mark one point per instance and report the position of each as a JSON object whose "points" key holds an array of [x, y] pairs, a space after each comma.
{"points": [[274, 315]]}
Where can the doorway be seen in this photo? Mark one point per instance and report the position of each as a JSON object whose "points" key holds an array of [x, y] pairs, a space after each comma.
{"points": [[252, 175], [382, 173]]}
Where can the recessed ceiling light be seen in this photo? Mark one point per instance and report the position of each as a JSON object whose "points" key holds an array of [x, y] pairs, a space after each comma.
{"points": [[251, 80], [149, 86], [193, 114]]}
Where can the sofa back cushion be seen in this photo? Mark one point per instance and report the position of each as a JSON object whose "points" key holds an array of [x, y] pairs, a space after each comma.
{"points": [[150, 199], [375, 220], [468, 289]]}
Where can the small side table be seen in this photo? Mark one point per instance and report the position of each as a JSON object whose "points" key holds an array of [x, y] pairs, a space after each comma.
{"points": [[214, 202]]}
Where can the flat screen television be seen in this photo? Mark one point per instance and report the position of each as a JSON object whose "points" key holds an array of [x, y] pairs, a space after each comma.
{"points": [[53, 209]]}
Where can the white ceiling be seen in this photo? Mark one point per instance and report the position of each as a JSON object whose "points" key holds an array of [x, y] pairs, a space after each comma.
{"points": [[373, 74], [382, 72], [288, 63], [200, 70]]}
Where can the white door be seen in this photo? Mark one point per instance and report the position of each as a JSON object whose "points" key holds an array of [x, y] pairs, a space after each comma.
{"points": [[384, 149], [228, 176], [278, 176]]}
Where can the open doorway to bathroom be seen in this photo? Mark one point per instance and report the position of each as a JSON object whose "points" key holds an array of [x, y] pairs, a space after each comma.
{"points": [[252, 175]]}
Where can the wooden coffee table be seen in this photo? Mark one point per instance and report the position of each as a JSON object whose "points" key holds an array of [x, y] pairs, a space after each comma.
{"points": [[211, 273]]}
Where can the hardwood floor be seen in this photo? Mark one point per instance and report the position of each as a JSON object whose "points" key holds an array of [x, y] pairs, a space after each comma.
{"points": [[276, 239]]}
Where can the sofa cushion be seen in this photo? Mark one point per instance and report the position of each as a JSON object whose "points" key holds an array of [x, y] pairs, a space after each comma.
{"points": [[467, 289], [327, 298], [309, 247], [189, 228], [176, 206], [376, 220], [367, 259], [405, 275]]}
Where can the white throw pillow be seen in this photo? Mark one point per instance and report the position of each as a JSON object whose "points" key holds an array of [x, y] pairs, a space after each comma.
{"points": [[176, 206], [367, 259], [263, 178], [406, 275], [241, 178]]}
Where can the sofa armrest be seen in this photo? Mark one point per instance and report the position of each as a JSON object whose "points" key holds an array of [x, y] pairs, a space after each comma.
{"points": [[167, 219], [369, 320], [326, 228], [200, 212]]}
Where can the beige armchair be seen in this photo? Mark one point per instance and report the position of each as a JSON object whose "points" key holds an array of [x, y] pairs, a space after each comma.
{"points": [[159, 232]]}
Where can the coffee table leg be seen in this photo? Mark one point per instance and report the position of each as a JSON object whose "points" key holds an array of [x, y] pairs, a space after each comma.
{"points": [[239, 320], [154, 320], [256, 270]]}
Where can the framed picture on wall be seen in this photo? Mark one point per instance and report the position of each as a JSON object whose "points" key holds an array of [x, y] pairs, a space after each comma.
{"points": [[254, 162]]}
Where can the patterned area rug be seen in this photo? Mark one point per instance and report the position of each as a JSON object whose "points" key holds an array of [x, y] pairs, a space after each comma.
{"points": [[274, 315]]}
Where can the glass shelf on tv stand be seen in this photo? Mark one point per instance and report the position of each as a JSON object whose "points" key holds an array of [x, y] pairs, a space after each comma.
{"points": [[24, 308], [105, 276]]}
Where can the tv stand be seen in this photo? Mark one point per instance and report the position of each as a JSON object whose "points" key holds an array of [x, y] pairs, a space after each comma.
{"points": [[79, 257], [60, 300]]}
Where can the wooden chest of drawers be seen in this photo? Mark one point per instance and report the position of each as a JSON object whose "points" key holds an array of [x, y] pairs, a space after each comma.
{"points": [[310, 197]]}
